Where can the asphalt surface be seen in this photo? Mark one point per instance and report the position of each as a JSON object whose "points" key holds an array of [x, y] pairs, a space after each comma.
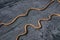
{"points": [[9, 9]]}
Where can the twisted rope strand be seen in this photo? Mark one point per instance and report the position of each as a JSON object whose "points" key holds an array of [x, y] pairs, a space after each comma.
{"points": [[26, 13], [36, 27]]}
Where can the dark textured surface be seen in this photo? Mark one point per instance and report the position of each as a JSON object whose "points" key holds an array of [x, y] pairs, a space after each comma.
{"points": [[49, 31]]}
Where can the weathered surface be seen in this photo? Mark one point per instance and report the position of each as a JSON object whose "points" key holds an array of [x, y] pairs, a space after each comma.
{"points": [[49, 31]]}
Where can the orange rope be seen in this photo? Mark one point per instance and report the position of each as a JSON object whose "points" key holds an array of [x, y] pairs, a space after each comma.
{"points": [[39, 21], [26, 13], [36, 27]]}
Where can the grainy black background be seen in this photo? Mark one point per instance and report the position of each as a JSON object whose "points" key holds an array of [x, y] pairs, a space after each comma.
{"points": [[9, 9]]}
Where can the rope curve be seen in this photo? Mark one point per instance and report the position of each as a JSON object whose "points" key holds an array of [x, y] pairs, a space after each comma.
{"points": [[26, 13], [39, 21], [36, 27]]}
